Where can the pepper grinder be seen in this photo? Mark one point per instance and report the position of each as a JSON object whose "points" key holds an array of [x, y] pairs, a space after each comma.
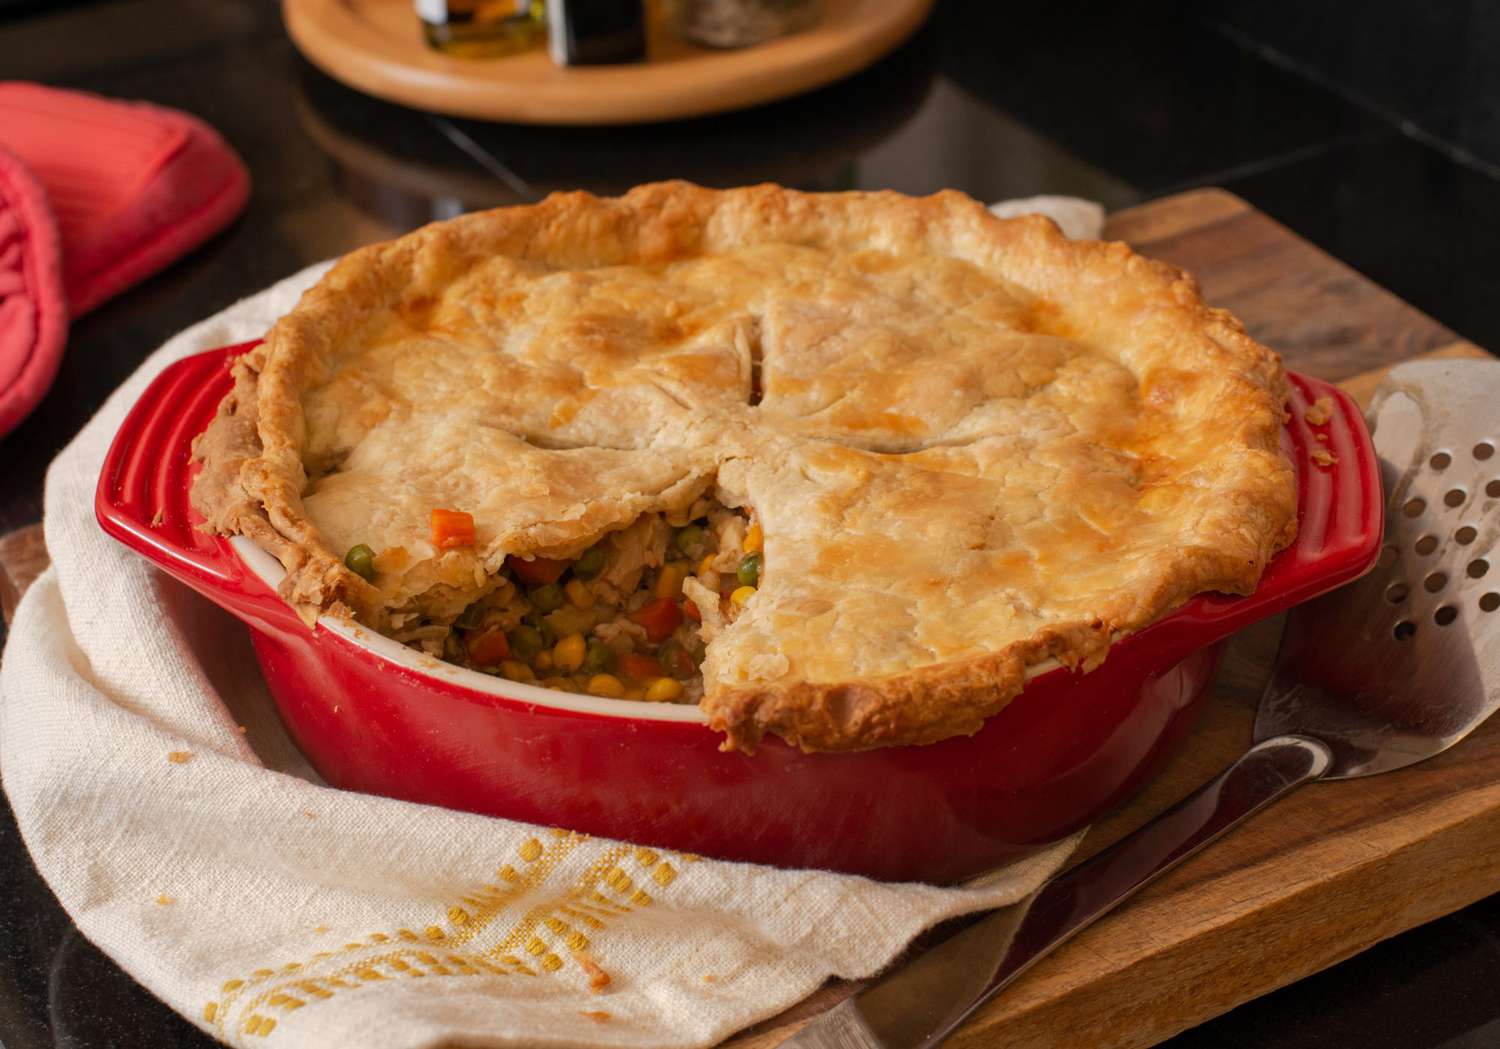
{"points": [[596, 32]]}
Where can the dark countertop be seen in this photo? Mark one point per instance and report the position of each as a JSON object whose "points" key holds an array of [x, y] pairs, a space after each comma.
{"points": [[993, 100]]}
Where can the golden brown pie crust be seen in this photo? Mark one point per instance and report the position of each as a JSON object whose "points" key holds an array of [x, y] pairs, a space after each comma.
{"points": [[974, 446]]}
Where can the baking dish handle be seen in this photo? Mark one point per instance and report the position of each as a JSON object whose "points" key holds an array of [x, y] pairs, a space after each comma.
{"points": [[1340, 513], [142, 497], [142, 500]]}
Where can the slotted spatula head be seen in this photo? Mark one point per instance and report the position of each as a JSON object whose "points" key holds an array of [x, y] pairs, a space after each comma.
{"points": [[1405, 662]]}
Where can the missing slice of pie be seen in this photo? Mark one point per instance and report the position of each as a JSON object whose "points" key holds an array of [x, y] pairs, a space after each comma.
{"points": [[844, 468]]}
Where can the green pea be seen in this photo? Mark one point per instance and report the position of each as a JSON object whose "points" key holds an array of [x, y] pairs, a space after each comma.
{"points": [[470, 617], [548, 598], [569, 620], [590, 563], [542, 627], [689, 538], [361, 561], [749, 571], [598, 658], [525, 642]]}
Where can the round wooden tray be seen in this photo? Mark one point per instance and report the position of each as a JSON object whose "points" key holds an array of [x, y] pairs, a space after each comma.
{"points": [[376, 46]]}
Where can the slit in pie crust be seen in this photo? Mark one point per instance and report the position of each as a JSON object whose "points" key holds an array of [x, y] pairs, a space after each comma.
{"points": [[971, 446]]}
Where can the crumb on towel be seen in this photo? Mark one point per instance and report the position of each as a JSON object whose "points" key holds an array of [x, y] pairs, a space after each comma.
{"points": [[598, 978], [180, 757]]}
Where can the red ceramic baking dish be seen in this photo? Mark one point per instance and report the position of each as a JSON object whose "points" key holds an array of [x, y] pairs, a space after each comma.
{"points": [[374, 716]]}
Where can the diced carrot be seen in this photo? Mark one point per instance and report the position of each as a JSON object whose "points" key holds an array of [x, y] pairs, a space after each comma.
{"points": [[660, 618], [539, 571], [452, 529], [691, 611], [488, 648], [640, 667]]}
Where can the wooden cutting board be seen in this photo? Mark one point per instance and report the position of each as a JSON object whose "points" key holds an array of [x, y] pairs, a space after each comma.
{"points": [[1324, 874]]}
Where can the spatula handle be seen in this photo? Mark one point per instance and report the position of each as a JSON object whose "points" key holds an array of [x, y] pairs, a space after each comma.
{"points": [[918, 1005]]}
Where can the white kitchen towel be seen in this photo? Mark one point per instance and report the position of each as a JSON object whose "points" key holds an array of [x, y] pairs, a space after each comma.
{"points": [[269, 909]]}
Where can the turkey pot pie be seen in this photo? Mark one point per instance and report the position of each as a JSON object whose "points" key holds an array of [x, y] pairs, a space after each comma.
{"points": [[845, 468]]}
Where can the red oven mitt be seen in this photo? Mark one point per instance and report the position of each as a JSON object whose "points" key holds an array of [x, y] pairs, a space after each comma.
{"points": [[33, 311], [133, 186]]}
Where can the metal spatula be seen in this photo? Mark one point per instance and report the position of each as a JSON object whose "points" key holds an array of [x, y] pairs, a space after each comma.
{"points": [[1383, 673]]}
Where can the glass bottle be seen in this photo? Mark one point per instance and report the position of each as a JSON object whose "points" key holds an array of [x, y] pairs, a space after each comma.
{"points": [[481, 28]]}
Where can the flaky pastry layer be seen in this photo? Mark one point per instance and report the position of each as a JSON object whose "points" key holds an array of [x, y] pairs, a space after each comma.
{"points": [[973, 445]]}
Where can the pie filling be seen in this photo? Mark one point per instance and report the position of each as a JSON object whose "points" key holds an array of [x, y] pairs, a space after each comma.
{"points": [[624, 619]]}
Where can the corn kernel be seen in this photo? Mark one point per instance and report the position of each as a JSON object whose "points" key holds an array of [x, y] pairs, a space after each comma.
{"points": [[706, 565], [754, 539], [663, 690], [555, 682], [542, 660], [567, 654], [606, 685], [741, 595], [516, 670], [634, 693], [579, 595], [669, 582]]}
